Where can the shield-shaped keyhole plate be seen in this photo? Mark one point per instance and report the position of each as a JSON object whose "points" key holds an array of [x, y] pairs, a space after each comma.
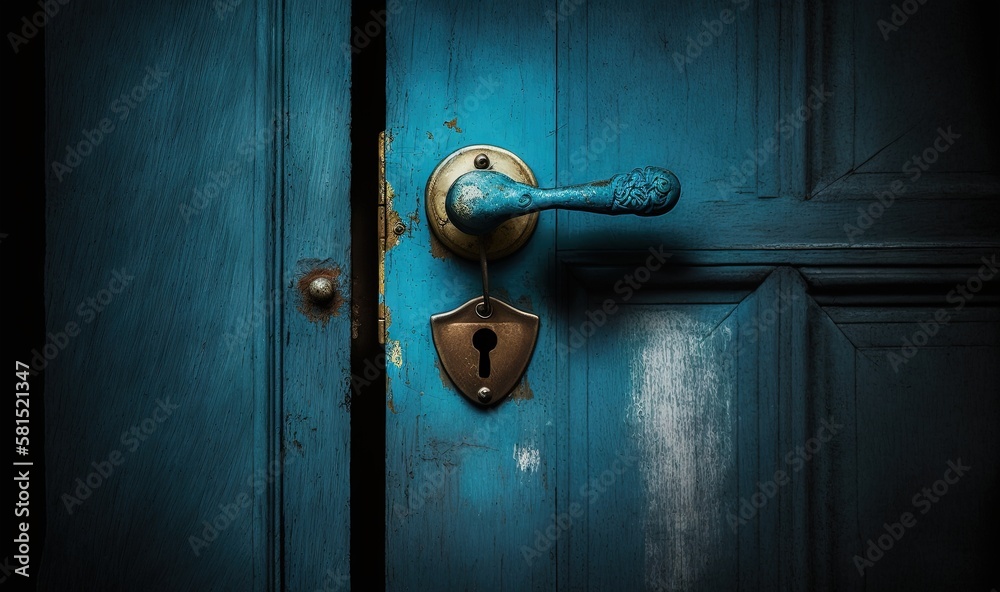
{"points": [[485, 357]]}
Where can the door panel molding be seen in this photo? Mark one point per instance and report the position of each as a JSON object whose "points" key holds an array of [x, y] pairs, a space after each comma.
{"points": [[796, 376], [876, 122]]}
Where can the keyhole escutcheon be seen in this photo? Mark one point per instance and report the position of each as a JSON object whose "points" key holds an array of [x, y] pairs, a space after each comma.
{"points": [[484, 340]]}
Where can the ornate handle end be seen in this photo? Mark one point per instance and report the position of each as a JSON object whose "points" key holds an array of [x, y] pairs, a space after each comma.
{"points": [[648, 191]]}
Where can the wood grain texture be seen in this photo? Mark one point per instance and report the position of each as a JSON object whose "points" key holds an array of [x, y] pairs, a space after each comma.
{"points": [[187, 194]]}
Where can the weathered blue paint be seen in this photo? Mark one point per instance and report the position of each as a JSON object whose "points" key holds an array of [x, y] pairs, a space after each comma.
{"points": [[758, 319], [479, 201], [174, 246], [466, 486]]}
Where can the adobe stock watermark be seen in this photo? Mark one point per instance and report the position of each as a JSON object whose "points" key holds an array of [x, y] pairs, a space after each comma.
{"points": [[363, 36], [923, 500], [796, 459], [88, 310], [245, 325], [7, 569], [583, 155], [711, 30], [898, 17], [626, 288], [31, 25], [130, 439], [433, 481], [914, 168], [561, 523], [487, 87], [256, 484], [222, 8], [759, 324], [784, 129], [959, 297], [438, 143], [334, 579], [122, 107], [204, 195], [563, 11]]}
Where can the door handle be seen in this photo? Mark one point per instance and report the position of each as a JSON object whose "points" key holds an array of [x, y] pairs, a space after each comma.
{"points": [[480, 201], [476, 190], [483, 202]]}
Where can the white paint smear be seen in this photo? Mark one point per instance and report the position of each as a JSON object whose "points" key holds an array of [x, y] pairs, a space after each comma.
{"points": [[681, 405], [528, 459]]}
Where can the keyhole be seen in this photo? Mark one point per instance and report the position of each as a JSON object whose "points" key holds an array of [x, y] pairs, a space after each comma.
{"points": [[485, 340]]}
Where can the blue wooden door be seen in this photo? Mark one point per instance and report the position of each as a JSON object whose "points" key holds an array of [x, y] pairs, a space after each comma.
{"points": [[196, 402], [788, 382]]}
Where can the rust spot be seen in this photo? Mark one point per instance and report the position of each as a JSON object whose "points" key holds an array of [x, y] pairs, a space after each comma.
{"points": [[453, 125], [603, 183], [430, 136], [320, 311], [390, 404], [297, 445], [522, 392]]}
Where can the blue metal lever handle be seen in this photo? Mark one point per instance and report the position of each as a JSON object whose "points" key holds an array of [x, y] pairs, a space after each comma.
{"points": [[479, 201]]}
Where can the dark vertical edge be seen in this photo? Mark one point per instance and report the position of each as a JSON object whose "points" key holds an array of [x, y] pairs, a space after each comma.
{"points": [[274, 96], [368, 107], [22, 252]]}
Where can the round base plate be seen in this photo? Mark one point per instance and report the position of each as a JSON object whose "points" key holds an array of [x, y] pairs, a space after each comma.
{"points": [[509, 236]]}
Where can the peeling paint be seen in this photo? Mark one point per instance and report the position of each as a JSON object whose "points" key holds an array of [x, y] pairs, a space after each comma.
{"points": [[453, 125], [468, 194], [390, 404], [430, 136], [394, 353], [528, 458], [681, 407], [438, 250]]}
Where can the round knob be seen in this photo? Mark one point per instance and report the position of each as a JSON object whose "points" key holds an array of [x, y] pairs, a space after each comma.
{"points": [[321, 289]]}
